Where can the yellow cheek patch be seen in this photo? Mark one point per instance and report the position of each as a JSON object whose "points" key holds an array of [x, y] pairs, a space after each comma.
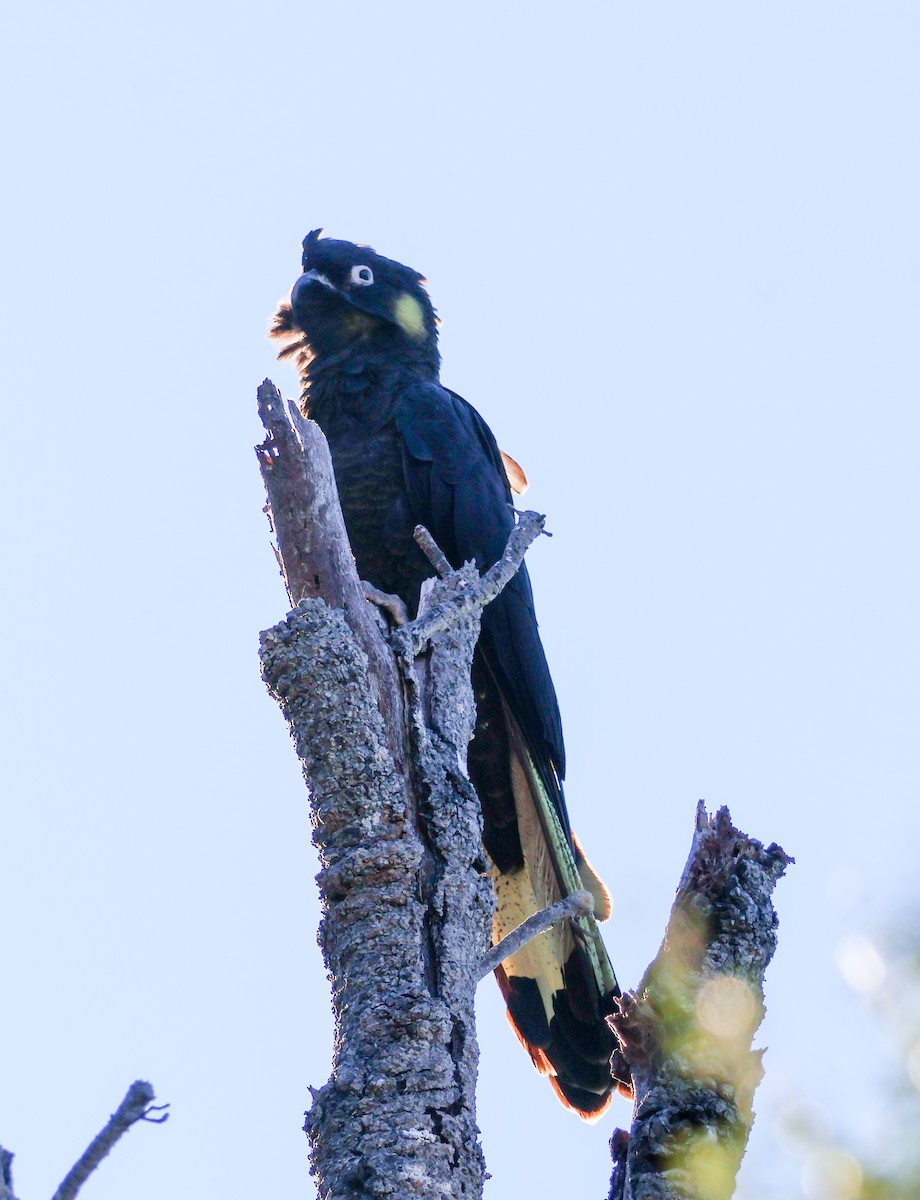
{"points": [[409, 315]]}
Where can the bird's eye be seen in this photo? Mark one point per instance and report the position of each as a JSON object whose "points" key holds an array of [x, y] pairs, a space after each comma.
{"points": [[363, 276]]}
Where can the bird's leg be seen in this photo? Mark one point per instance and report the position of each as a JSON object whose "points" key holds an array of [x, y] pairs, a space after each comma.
{"points": [[399, 614]]}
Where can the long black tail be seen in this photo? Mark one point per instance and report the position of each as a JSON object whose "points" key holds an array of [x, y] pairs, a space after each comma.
{"points": [[560, 986]]}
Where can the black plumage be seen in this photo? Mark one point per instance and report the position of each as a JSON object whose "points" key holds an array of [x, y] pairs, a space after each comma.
{"points": [[408, 451]]}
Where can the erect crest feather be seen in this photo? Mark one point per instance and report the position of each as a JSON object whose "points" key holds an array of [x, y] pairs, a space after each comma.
{"points": [[309, 242]]}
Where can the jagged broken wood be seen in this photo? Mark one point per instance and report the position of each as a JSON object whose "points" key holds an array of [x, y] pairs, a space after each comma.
{"points": [[312, 545], [686, 1031]]}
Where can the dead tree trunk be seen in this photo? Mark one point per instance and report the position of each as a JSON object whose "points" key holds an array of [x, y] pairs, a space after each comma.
{"points": [[381, 726], [686, 1031], [407, 903]]}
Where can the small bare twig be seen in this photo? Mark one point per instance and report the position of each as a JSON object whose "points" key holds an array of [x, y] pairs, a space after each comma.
{"points": [[136, 1106], [432, 551], [578, 904]]}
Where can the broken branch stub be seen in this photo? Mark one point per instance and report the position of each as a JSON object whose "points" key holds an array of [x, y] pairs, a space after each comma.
{"points": [[686, 1031], [312, 544]]}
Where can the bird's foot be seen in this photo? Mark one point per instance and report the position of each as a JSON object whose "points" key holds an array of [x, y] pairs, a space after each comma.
{"points": [[391, 604]]}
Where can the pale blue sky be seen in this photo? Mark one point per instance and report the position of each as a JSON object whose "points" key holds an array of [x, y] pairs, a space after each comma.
{"points": [[676, 251]]}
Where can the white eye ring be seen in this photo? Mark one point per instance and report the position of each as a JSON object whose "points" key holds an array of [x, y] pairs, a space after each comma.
{"points": [[362, 276]]}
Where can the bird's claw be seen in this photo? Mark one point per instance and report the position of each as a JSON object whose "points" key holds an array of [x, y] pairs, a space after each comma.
{"points": [[391, 604]]}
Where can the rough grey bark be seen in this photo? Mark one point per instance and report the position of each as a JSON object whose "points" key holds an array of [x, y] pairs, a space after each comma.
{"points": [[686, 1031], [407, 902]]}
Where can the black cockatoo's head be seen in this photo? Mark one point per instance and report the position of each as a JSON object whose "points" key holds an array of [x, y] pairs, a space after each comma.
{"points": [[350, 296]]}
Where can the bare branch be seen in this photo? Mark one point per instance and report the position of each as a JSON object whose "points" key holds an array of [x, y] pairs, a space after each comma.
{"points": [[136, 1106], [578, 904], [686, 1032], [472, 597]]}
